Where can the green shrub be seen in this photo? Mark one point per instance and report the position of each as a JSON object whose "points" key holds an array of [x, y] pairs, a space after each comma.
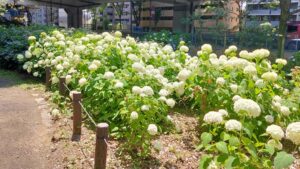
{"points": [[167, 37], [13, 40]]}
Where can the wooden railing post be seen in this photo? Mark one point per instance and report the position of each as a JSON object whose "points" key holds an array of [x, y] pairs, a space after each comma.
{"points": [[77, 112], [101, 146], [48, 77], [62, 87]]}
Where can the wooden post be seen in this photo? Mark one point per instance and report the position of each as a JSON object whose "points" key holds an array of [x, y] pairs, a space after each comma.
{"points": [[101, 146], [48, 77], [77, 111], [62, 87]]}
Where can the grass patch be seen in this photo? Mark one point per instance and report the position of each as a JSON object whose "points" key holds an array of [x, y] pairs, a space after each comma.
{"points": [[24, 81]]}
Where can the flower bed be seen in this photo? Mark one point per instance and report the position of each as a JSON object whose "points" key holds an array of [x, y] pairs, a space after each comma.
{"points": [[247, 106]]}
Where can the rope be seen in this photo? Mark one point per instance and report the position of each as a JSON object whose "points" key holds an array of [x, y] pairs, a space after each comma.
{"points": [[88, 114], [66, 86]]}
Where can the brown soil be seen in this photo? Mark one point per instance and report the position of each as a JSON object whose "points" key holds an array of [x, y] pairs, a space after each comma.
{"points": [[24, 139]]}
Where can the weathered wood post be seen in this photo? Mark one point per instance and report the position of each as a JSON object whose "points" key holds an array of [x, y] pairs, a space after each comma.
{"points": [[101, 146], [77, 112], [62, 87], [48, 77]]}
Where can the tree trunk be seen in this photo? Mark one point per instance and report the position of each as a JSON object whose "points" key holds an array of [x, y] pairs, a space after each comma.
{"points": [[284, 16]]}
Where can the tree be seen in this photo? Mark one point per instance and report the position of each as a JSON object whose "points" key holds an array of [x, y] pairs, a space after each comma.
{"points": [[137, 6], [119, 6]]}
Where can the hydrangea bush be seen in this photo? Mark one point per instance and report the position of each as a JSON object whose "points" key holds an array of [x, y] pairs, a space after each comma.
{"points": [[245, 103]]}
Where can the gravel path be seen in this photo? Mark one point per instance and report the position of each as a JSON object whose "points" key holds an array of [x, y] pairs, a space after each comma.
{"points": [[24, 135]]}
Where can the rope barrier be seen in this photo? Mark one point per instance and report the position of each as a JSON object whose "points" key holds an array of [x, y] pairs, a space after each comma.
{"points": [[88, 114], [84, 109], [66, 86]]}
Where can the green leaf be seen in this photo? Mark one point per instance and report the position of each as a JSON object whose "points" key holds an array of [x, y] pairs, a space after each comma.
{"points": [[283, 160], [234, 141], [206, 138], [225, 136], [222, 147], [229, 162], [204, 161], [270, 149]]}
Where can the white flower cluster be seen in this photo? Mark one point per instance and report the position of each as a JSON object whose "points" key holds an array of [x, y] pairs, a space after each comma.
{"points": [[275, 131], [246, 105], [215, 116], [293, 132], [233, 125]]}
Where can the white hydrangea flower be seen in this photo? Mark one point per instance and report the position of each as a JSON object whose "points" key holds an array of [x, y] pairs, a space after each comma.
{"points": [[134, 115], [31, 38], [152, 129], [285, 110], [269, 118], [136, 90], [206, 48], [20, 57], [54, 80], [55, 112], [249, 106], [133, 57], [293, 132], [118, 34], [68, 79], [234, 88], [246, 55], [183, 74], [213, 117], [138, 67], [163, 92], [259, 83], [220, 81], [281, 61], [261, 53], [167, 49], [93, 67], [82, 81], [162, 98], [184, 49], [233, 125], [170, 102], [223, 112], [250, 69], [36, 74], [147, 90], [28, 54], [119, 84], [236, 98], [275, 143], [108, 75], [277, 98], [270, 76], [145, 108], [275, 131], [59, 67], [169, 118]]}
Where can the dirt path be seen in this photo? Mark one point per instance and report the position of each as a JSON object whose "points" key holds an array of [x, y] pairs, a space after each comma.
{"points": [[24, 135]]}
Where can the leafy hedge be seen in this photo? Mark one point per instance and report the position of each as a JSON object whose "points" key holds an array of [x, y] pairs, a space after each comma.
{"points": [[167, 37], [13, 40]]}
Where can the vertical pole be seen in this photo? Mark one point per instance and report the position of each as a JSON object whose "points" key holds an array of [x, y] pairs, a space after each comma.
{"points": [[62, 88], [101, 146], [77, 111], [48, 77]]}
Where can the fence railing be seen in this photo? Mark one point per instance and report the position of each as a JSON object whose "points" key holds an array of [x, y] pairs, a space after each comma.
{"points": [[78, 109]]}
